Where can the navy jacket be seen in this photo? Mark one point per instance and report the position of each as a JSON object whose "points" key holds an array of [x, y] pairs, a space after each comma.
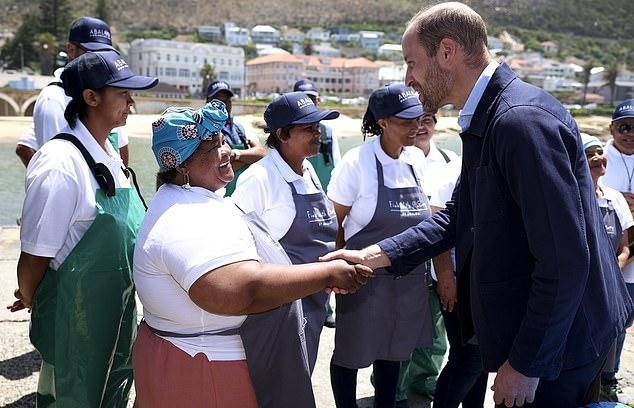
{"points": [[545, 289]]}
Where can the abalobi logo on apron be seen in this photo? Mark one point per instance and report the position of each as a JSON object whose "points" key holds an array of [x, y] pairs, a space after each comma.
{"points": [[323, 216], [407, 208]]}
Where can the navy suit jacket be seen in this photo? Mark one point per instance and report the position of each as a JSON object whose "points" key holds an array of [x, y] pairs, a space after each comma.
{"points": [[544, 286]]}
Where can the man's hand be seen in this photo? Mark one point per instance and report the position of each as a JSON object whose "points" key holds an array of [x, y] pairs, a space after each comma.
{"points": [[446, 290], [373, 257], [513, 389], [346, 278], [362, 274]]}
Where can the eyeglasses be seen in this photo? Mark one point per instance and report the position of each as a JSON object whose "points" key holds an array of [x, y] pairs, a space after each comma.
{"points": [[625, 128]]}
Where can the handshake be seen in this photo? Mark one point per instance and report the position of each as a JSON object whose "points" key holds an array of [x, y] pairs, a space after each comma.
{"points": [[351, 269]]}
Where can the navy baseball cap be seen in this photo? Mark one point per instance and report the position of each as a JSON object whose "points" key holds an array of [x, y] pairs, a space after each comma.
{"points": [[624, 110], [395, 100], [95, 70], [304, 85], [218, 86], [294, 108], [91, 34]]}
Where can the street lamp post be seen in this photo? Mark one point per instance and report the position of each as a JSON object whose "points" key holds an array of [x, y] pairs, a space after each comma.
{"points": [[21, 57]]}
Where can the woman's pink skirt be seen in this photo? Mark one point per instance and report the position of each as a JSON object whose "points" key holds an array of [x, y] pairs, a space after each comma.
{"points": [[166, 376]]}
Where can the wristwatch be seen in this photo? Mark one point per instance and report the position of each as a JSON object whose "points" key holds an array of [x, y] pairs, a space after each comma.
{"points": [[236, 154]]}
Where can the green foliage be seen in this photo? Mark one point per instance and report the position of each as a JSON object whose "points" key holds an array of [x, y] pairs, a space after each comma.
{"points": [[163, 33], [601, 50], [22, 44], [601, 110], [250, 51], [55, 18], [101, 10], [286, 45], [307, 46], [602, 19], [208, 74]]}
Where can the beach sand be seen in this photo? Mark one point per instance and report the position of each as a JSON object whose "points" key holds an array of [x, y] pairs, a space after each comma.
{"points": [[141, 126]]}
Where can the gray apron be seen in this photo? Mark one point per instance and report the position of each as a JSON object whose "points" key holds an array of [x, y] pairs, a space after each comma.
{"points": [[387, 318], [612, 223], [615, 233], [311, 235], [273, 341]]}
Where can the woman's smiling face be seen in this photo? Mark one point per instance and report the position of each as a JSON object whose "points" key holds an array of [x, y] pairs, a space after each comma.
{"points": [[210, 166]]}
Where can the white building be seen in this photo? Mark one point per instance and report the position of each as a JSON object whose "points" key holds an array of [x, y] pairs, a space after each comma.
{"points": [[326, 50], [294, 35], [318, 34], [346, 37], [371, 40], [265, 34], [235, 35], [178, 63], [392, 51], [391, 72]]}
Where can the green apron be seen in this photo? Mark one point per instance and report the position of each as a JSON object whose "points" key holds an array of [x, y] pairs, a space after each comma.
{"points": [[83, 321], [232, 185], [113, 137], [420, 372], [323, 162]]}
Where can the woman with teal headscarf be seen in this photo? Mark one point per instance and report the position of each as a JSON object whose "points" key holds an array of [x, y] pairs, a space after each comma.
{"points": [[222, 327]]}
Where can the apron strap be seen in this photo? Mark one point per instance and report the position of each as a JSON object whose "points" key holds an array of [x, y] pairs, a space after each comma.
{"points": [[129, 172], [163, 333], [104, 178]]}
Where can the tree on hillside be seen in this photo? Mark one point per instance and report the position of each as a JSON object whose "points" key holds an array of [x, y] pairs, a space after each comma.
{"points": [[208, 74], [307, 46], [611, 73], [585, 79], [101, 10], [55, 18], [46, 45], [21, 49]]}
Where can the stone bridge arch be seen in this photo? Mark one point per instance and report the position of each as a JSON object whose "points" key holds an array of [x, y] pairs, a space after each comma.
{"points": [[8, 106], [28, 105]]}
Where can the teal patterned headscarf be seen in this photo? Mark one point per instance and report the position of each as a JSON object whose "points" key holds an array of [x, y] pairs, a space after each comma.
{"points": [[179, 131]]}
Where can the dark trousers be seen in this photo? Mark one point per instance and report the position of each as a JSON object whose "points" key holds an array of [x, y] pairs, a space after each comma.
{"points": [[610, 374], [463, 379], [574, 387], [344, 384]]}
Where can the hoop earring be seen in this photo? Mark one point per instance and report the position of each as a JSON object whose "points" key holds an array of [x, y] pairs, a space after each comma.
{"points": [[186, 186]]}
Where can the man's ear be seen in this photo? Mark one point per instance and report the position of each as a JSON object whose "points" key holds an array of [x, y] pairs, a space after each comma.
{"points": [[447, 52]]}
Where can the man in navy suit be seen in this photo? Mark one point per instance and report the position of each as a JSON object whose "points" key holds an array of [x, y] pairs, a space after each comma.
{"points": [[539, 288]]}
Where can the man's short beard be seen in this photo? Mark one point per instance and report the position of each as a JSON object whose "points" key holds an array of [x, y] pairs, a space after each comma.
{"points": [[435, 88]]}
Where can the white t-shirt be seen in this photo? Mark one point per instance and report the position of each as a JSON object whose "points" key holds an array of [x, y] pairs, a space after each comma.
{"points": [[27, 138], [59, 205], [354, 180], [264, 188], [48, 112], [438, 174], [122, 137], [184, 235], [619, 165], [616, 177]]}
